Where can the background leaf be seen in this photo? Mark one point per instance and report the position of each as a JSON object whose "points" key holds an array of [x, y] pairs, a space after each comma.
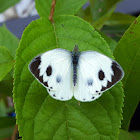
{"points": [[37, 113], [112, 43], [7, 55], [63, 7], [5, 4], [117, 24], [102, 7], [100, 22], [136, 134], [3, 112], [115, 32], [8, 40], [120, 19], [124, 135], [101, 10], [7, 125], [115, 29], [6, 87], [127, 53], [6, 62]]}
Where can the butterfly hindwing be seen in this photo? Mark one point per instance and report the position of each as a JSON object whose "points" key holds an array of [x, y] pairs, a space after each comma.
{"points": [[54, 71], [96, 74]]}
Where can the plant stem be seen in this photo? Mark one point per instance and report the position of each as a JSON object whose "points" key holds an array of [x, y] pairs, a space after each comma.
{"points": [[14, 133], [52, 11]]}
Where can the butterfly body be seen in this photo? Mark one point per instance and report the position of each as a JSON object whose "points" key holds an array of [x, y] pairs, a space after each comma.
{"points": [[84, 75], [75, 59]]}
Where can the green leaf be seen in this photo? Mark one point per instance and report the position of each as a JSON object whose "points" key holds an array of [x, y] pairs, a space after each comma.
{"points": [[7, 53], [8, 40], [112, 43], [127, 53], [10, 109], [100, 8], [7, 125], [100, 22], [3, 111], [5, 4], [120, 19], [41, 117], [115, 29], [6, 62], [117, 24], [6, 87], [124, 135], [101, 11], [136, 134], [63, 7]]}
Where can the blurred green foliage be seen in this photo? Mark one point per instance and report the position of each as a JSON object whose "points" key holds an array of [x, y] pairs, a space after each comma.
{"points": [[127, 53], [125, 135], [115, 28], [5, 4], [8, 46]]}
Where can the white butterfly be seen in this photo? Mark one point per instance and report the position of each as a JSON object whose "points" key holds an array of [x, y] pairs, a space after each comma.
{"points": [[84, 75]]}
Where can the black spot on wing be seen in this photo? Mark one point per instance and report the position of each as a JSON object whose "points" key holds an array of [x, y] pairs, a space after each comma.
{"points": [[101, 75], [34, 68], [92, 97], [117, 75], [49, 70], [54, 95]]}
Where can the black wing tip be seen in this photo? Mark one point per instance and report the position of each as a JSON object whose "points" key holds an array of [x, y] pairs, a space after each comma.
{"points": [[117, 70], [33, 66], [116, 77], [34, 69]]}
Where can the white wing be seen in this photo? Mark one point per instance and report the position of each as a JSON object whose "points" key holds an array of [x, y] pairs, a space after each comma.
{"points": [[53, 69], [96, 74]]}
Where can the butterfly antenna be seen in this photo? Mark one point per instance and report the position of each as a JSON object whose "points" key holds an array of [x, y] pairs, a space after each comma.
{"points": [[69, 35], [85, 37]]}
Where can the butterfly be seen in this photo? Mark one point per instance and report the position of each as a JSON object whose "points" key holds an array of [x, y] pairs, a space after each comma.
{"points": [[84, 75]]}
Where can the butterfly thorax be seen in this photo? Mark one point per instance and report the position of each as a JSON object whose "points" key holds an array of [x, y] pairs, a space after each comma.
{"points": [[76, 49], [75, 59]]}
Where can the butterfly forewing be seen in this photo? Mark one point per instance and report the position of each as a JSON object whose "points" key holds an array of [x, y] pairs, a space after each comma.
{"points": [[53, 69], [96, 74]]}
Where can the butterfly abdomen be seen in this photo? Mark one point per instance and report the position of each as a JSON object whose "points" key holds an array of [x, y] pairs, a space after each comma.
{"points": [[75, 58], [74, 74]]}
